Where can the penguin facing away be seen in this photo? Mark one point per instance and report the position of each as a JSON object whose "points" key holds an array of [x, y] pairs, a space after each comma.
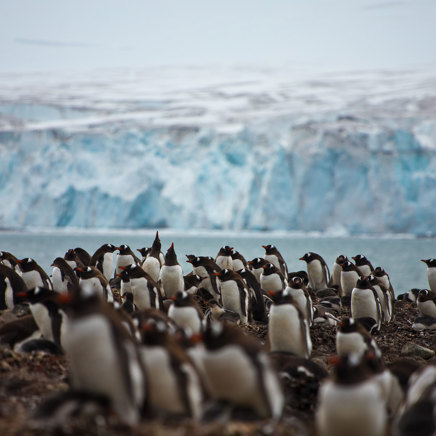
{"points": [[171, 274], [125, 258], [33, 275], [186, 313], [11, 284], [224, 257]]}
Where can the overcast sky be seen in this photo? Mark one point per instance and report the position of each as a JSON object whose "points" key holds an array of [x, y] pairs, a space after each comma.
{"points": [[333, 34]]}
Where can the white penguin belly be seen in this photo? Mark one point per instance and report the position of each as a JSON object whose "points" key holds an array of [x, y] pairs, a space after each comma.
{"points": [[284, 331], [350, 343], [224, 262], [9, 294], [42, 320], [364, 270], [232, 376], [171, 278], [383, 303], [301, 302], [336, 275], [271, 282], [427, 308], [32, 279], [151, 266], [95, 363], [124, 260], [363, 304], [59, 285], [237, 264], [315, 271], [186, 318], [91, 286], [348, 282], [356, 410], [231, 299], [164, 390], [108, 264], [431, 275], [141, 294]]}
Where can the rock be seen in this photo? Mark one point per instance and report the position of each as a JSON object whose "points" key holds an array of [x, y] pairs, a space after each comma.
{"points": [[415, 350]]}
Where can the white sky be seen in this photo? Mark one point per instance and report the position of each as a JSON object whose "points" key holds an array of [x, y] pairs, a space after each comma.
{"points": [[333, 34]]}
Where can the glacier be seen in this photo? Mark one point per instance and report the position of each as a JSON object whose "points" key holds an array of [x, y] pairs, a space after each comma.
{"points": [[220, 148]]}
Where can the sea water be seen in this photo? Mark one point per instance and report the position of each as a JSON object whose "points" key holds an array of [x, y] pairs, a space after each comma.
{"points": [[399, 256]]}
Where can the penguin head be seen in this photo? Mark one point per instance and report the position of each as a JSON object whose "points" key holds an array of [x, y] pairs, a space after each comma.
{"points": [[27, 264], [347, 325], [36, 295], [424, 295], [379, 272], [348, 369], [154, 332], [296, 282], [124, 249], [257, 262], [269, 268], [156, 243], [226, 250], [360, 259], [181, 299], [308, 257], [363, 283], [170, 256], [70, 254], [431, 263], [110, 248], [144, 251], [225, 274], [269, 249], [341, 259]]}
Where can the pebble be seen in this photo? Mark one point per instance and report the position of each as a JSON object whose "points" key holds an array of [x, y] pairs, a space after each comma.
{"points": [[412, 349]]}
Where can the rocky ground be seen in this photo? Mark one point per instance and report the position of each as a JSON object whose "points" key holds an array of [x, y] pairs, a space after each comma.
{"points": [[25, 379]]}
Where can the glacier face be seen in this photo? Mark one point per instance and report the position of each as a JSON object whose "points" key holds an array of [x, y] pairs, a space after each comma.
{"points": [[232, 149]]}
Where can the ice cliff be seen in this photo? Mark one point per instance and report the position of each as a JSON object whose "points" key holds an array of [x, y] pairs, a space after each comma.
{"points": [[220, 148]]}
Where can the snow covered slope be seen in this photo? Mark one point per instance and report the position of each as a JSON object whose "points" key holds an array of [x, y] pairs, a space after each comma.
{"points": [[220, 148]]}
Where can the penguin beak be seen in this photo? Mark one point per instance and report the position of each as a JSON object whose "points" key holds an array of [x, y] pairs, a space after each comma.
{"points": [[172, 245], [22, 294], [334, 360], [123, 268], [138, 249], [189, 261], [172, 298], [19, 261], [423, 260], [301, 258], [271, 293], [216, 274], [250, 262], [64, 298], [52, 264], [79, 268], [264, 246]]}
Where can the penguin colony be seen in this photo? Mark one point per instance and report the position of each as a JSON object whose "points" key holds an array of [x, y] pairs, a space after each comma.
{"points": [[143, 340]]}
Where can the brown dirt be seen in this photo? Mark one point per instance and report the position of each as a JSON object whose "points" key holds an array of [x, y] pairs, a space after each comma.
{"points": [[25, 379]]}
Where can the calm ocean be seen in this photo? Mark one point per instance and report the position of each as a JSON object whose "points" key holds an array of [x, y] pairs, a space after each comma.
{"points": [[399, 256]]}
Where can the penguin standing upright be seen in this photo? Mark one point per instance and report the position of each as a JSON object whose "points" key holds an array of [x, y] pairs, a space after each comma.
{"points": [[234, 294], [103, 357], [256, 295], [152, 264], [9, 260], [349, 276], [363, 265], [288, 330], [73, 259], [272, 255], [10, 285], [171, 274], [365, 302], [351, 403], [385, 298], [239, 371], [431, 273], [186, 313], [318, 271], [125, 258], [224, 257], [256, 266], [335, 278], [301, 296], [63, 277], [103, 260], [272, 279], [33, 275], [174, 385], [93, 282], [206, 267]]}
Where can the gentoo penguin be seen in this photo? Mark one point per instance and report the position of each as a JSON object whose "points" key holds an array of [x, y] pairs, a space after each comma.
{"points": [[125, 286], [33, 275], [424, 323], [103, 260], [83, 255], [186, 313], [256, 266], [93, 282], [411, 295], [351, 403], [192, 282], [353, 338], [385, 298], [238, 261], [234, 294], [301, 274], [171, 274], [205, 267], [102, 356], [288, 330], [335, 278], [427, 303], [239, 371], [431, 273], [144, 253], [301, 297], [256, 295], [10, 285], [15, 332], [224, 257], [272, 279], [272, 255], [318, 271], [146, 292], [9, 260], [174, 385], [73, 259], [125, 257], [218, 313], [382, 276], [363, 265], [349, 276], [152, 264], [325, 316], [365, 302], [45, 310], [63, 277], [128, 304]]}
